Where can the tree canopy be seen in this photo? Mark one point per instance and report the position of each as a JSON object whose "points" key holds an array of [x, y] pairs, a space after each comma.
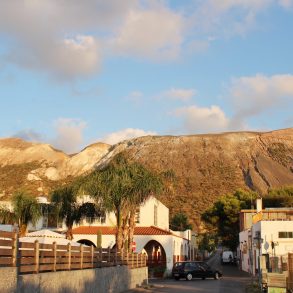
{"points": [[179, 222], [25, 209], [223, 217], [121, 186], [69, 209]]}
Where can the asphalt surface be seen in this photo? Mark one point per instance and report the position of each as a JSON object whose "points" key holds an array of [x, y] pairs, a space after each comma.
{"points": [[233, 281]]}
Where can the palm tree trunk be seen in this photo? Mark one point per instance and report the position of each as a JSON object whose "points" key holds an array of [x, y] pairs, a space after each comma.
{"points": [[22, 230], [125, 231], [119, 230], [69, 234], [131, 229]]}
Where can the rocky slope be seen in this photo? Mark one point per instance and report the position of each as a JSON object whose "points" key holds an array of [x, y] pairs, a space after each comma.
{"points": [[205, 166], [39, 167]]}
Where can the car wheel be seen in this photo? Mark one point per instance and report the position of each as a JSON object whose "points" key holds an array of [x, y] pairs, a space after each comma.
{"points": [[217, 277], [189, 277]]}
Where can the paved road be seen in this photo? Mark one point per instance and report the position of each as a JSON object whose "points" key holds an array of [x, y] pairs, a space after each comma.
{"points": [[233, 281]]}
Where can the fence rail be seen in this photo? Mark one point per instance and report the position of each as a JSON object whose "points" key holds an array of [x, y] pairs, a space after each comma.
{"points": [[37, 257]]}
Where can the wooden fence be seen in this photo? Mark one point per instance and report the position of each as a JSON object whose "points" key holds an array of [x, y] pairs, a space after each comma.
{"points": [[37, 257]]}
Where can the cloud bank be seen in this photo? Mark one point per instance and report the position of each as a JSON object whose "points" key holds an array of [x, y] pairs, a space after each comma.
{"points": [[70, 39], [248, 97]]}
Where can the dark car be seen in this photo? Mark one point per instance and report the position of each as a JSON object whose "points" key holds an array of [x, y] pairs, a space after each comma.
{"points": [[194, 269]]}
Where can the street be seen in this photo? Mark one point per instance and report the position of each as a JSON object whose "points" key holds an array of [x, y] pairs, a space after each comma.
{"points": [[233, 281]]}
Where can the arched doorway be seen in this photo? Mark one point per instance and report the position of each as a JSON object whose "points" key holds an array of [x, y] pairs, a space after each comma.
{"points": [[86, 242], [156, 258]]}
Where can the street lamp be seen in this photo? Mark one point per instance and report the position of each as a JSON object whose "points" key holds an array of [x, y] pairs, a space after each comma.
{"points": [[257, 241]]}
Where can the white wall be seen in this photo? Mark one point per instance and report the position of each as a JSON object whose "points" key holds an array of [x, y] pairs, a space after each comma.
{"points": [[244, 247], [270, 232], [147, 214], [107, 240], [171, 244]]}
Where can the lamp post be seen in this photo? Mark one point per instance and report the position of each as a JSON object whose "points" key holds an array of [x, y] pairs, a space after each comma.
{"points": [[258, 242]]}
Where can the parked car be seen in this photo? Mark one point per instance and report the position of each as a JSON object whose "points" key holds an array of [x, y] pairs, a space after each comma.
{"points": [[194, 269]]}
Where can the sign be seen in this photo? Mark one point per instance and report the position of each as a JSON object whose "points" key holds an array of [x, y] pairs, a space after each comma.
{"points": [[133, 246], [257, 217], [276, 290]]}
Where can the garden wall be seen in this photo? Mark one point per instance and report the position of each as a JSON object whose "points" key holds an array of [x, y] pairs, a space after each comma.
{"points": [[101, 280]]}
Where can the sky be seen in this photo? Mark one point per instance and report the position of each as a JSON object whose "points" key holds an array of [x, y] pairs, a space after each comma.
{"points": [[77, 72]]}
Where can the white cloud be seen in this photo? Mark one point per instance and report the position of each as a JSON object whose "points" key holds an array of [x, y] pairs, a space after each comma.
{"points": [[286, 3], [125, 134], [202, 119], [178, 94], [69, 134], [70, 41], [251, 96], [227, 18], [154, 32], [54, 37]]}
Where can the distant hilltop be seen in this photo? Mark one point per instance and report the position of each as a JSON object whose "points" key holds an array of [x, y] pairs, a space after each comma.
{"points": [[205, 166]]}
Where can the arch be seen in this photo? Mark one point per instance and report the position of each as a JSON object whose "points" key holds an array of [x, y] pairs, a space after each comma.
{"points": [[156, 258], [86, 242]]}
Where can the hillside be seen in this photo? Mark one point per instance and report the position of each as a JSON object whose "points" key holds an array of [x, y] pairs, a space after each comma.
{"points": [[205, 166]]}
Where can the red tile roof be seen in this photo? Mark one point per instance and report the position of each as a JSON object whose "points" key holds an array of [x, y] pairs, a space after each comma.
{"points": [[93, 230]]}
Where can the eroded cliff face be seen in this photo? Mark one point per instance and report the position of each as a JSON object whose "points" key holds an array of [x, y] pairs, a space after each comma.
{"points": [[40, 168], [206, 166]]}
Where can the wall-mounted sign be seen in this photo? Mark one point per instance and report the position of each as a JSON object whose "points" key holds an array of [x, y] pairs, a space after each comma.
{"points": [[257, 217], [276, 290]]}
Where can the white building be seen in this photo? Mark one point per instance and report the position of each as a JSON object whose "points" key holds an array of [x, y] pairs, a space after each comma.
{"points": [[151, 235], [270, 234]]}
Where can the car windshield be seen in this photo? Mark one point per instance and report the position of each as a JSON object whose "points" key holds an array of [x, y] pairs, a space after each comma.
{"points": [[178, 265]]}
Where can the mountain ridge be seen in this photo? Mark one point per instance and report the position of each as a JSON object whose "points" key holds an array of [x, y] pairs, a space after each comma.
{"points": [[205, 166]]}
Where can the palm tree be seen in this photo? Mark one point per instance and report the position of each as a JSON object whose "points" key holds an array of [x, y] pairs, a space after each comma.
{"points": [[25, 210], [121, 186], [70, 210]]}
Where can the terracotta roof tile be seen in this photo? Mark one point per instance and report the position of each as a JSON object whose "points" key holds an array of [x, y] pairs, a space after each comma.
{"points": [[93, 230]]}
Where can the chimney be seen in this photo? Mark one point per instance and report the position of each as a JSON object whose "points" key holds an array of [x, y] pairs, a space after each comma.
{"points": [[258, 205]]}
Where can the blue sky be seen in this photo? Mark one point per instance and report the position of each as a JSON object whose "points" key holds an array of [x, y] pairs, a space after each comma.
{"points": [[77, 72]]}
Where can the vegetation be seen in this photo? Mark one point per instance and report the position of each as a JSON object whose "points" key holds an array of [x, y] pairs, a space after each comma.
{"points": [[207, 241], [68, 208], [180, 222], [25, 209], [223, 217], [122, 186]]}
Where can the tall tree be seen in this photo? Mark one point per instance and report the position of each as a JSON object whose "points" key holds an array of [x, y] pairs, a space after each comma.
{"points": [[223, 217], [25, 210], [121, 186]]}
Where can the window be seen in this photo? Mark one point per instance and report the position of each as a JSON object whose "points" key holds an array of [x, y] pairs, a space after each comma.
{"points": [[285, 234], [101, 219], [137, 215], [155, 215]]}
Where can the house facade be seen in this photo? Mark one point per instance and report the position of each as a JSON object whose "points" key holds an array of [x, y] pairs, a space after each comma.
{"points": [[270, 234], [152, 235]]}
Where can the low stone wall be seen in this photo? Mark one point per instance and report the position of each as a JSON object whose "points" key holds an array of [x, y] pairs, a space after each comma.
{"points": [[100, 280], [8, 279]]}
